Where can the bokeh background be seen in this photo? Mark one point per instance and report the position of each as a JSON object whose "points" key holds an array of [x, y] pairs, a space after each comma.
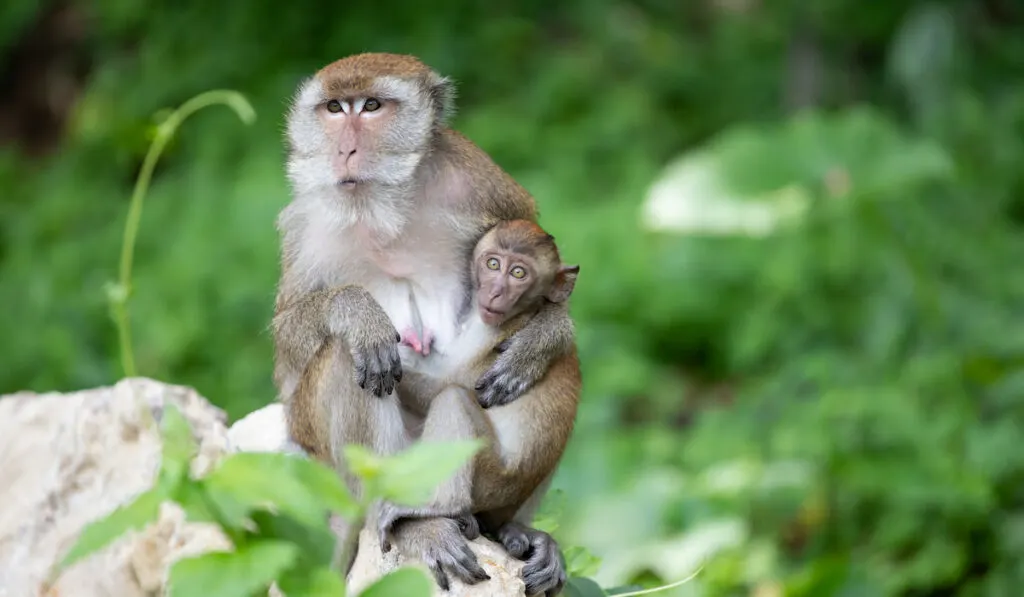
{"points": [[801, 308]]}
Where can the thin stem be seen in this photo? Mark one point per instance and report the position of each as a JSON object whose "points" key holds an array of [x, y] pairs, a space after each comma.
{"points": [[656, 589], [122, 292]]}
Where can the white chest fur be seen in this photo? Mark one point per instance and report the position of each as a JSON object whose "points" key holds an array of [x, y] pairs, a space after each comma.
{"points": [[430, 268], [472, 338]]}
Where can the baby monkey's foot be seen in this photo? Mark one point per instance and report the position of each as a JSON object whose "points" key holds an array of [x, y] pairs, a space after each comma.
{"points": [[420, 346]]}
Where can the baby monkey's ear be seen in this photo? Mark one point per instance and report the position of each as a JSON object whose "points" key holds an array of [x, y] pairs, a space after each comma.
{"points": [[565, 281]]}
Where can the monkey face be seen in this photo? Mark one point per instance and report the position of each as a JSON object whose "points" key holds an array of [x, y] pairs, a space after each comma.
{"points": [[364, 121], [370, 136], [508, 285], [516, 267]]}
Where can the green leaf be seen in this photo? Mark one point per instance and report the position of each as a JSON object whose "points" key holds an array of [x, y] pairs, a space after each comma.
{"points": [[238, 573], [550, 512], [192, 498], [411, 476], [283, 481], [179, 446], [362, 462], [580, 562], [225, 507], [406, 581], [319, 582], [315, 543], [583, 587], [327, 485], [143, 510]]}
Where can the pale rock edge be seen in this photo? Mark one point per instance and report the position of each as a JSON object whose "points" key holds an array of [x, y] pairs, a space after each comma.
{"points": [[68, 459]]}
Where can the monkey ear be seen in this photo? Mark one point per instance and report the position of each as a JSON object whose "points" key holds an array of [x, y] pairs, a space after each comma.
{"points": [[442, 95], [565, 281]]}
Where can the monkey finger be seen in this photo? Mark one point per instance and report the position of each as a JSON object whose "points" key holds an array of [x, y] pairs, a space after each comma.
{"points": [[387, 369], [360, 369], [439, 575]]}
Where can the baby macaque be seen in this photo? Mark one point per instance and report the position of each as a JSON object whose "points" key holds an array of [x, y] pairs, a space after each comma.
{"points": [[516, 270]]}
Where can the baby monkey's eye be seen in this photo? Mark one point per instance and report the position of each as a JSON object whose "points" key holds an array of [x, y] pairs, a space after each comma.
{"points": [[334, 106], [518, 272], [371, 105], [492, 263]]}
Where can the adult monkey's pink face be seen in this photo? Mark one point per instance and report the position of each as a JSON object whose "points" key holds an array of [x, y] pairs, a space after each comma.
{"points": [[365, 119]]}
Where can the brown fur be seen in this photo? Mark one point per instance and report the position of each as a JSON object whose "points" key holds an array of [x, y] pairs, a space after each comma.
{"points": [[503, 477], [325, 322]]}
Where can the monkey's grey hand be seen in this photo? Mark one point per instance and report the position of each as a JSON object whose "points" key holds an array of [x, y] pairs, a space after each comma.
{"points": [[440, 544], [515, 371], [544, 572], [371, 338]]}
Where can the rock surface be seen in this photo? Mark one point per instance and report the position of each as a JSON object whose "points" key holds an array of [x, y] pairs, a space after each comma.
{"points": [[68, 459]]}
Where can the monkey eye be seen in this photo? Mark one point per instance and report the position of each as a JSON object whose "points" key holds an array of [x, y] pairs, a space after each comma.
{"points": [[492, 263], [518, 272], [371, 105], [334, 106]]}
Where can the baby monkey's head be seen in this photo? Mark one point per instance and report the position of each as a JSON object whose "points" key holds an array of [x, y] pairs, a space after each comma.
{"points": [[516, 267]]}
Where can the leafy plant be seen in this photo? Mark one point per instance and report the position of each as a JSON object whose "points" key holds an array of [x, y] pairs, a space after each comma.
{"points": [[119, 293], [273, 507]]}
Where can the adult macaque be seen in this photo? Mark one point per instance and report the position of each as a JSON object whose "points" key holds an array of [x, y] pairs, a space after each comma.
{"points": [[388, 203], [516, 272]]}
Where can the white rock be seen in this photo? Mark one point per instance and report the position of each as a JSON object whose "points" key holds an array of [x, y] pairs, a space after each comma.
{"points": [[69, 459]]}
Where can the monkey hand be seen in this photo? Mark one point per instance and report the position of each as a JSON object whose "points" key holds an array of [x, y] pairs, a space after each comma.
{"points": [[440, 544], [544, 572], [371, 338], [515, 371]]}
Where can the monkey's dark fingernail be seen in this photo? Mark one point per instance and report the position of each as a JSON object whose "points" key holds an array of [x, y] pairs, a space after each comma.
{"points": [[398, 337]]}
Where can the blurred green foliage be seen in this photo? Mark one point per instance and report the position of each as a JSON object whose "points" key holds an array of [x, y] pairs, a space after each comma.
{"points": [[829, 405]]}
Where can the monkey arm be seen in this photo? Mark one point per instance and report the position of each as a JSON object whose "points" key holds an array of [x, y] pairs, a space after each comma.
{"points": [[527, 356], [348, 312]]}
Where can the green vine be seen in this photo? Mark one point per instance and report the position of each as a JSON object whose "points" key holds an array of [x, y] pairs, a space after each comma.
{"points": [[119, 293]]}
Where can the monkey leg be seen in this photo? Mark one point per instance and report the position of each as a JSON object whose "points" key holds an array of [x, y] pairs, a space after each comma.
{"points": [[452, 415], [437, 534], [331, 408]]}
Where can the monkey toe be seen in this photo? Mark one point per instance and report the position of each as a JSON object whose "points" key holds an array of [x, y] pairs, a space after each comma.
{"points": [[515, 542], [469, 526], [544, 572], [466, 567], [458, 560], [439, 576]]}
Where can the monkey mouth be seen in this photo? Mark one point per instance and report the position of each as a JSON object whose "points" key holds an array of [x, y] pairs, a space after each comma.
{"points": [[490, 316], [347, 183]]}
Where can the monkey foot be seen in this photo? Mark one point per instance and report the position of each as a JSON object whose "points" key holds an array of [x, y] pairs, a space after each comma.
{"points": [[390, 514], [544, 572], [420, 346]]}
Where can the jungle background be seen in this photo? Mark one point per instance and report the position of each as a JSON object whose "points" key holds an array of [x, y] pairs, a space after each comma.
{"points": [[801, 305]]}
